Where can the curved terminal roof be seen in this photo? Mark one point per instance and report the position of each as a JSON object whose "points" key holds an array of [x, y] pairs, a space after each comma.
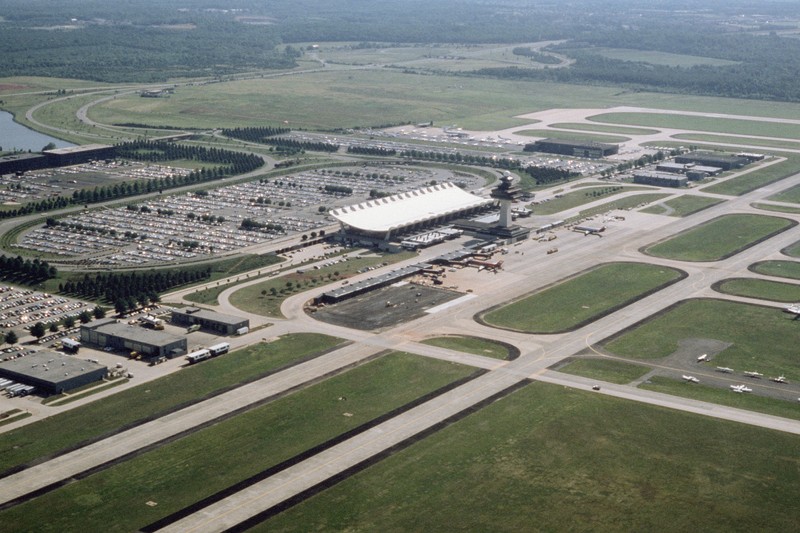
{"points": [[404, 209]]}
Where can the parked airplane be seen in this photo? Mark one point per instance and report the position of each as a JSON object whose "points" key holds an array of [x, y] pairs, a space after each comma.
{"points": [[753, 374], [702, 358], [741, 388], [724, 369], [780, 379], [691, 379]]}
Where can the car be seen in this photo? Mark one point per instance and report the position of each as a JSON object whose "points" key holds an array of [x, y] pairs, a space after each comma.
{"points": [[595, 387]]}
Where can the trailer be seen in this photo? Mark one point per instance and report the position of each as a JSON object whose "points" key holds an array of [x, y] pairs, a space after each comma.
{"points": [[14, 390], [199, 355], [219, 349]]}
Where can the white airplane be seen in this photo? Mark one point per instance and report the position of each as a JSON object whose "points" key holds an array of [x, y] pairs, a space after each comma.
{"points": [[741, 388], [780, 379], [702, 358], [691, 379], [724, 369], [753, 374], [793, 309]]}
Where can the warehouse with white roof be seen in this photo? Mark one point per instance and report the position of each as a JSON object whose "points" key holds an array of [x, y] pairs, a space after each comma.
{"points": [[385, 219]]}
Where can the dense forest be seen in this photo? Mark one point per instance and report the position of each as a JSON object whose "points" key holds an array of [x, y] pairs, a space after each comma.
{"points": [[154, 40]]}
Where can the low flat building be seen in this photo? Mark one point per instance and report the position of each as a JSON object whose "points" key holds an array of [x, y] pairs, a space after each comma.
{"points": [[52, 372], [660, 180], [712, 159], [584, 149], [209, 320], [107, 332], [75, 155]]}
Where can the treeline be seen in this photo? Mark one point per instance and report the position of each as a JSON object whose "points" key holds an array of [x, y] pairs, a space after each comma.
{"points": [[141, 287], [255, 134], [295, 145], [539, 57], [337, 190], [47, 204], [544, 175], [372, 150], [248, 224], [26, 270]]}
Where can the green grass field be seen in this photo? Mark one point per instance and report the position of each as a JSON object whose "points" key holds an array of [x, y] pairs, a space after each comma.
{"points": [[473, 345], [583, 195], [774, 291], [608, 370], [203, 463], [155, 398], [627, 203], [579, 300], [660, 58], [719, 238], [781, 269], [750, 402], [792, 250], [757, 178], [547, 458], [621, 130], [737, 141], [761, 337], [683, 206]]}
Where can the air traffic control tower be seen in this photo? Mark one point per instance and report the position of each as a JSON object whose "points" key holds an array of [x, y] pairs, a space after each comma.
{"points": [[506, 193]]}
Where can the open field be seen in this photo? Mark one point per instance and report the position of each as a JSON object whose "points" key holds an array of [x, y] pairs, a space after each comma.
{"points": [[660, 58], [793, 250], [205, 462], [701, 123], [260, 299], [629, 202], [781, 269], [583, 195], [569, 136], [760, 337], [758, 178], [473, 345], [548, 458], [608, 370], [719, 238], [577, 301], [601, 128], [156, 398], [750, 402], [777, 208], [774, 291], [683, 206]]}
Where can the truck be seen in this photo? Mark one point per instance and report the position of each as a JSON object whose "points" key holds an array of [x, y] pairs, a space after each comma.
{"points": [[193, 328]]}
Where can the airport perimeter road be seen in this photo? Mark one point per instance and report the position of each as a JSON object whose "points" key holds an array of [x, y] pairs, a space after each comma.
{"points": [[112, 448]]}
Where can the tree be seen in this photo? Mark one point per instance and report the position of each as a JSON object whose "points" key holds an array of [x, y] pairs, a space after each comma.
{"points": [[38, 330], [53, 327], [11, 337], [85, 317], [69, 322], [98, 312]]}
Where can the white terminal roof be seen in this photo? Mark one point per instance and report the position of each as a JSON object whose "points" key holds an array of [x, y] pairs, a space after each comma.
{"points": [[401, 210]]}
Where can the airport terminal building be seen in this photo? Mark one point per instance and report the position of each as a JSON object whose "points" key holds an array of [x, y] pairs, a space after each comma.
{"points": [[125, 337], [382, 220]]}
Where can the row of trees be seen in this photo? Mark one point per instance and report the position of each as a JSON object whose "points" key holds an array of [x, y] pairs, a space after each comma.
{"points": [[140, 286], [296, 145], [248, 224], [46, 204], [39, 329], [254, 134], [26, 270], [372, 150]]}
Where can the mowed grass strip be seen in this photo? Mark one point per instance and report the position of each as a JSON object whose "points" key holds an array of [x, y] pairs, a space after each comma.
{"points": [[156, 398], [792, 250], [759, 288], [722, 396], [684, 205], [702, 123], [581, 299], [208, 461], [790, 195], [720, 237], [761, 337], [781, 269], [757, 178], [473, 345], [605, 370], [573, 136], [547, 458], [602, 128], [777, 208], [583, 195]]}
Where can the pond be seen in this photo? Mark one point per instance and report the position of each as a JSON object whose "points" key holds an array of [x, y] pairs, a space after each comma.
{"points": [[14, 136]]}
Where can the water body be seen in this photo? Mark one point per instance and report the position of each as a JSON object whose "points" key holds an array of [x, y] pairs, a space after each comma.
{"points": [[16, 136]]}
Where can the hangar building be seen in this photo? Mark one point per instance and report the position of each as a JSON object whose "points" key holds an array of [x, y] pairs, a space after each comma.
{"points": [[52, 372], [149, 343], [660, 179], [587, 149], [723, 161], [218, 322], [381, 220]]}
